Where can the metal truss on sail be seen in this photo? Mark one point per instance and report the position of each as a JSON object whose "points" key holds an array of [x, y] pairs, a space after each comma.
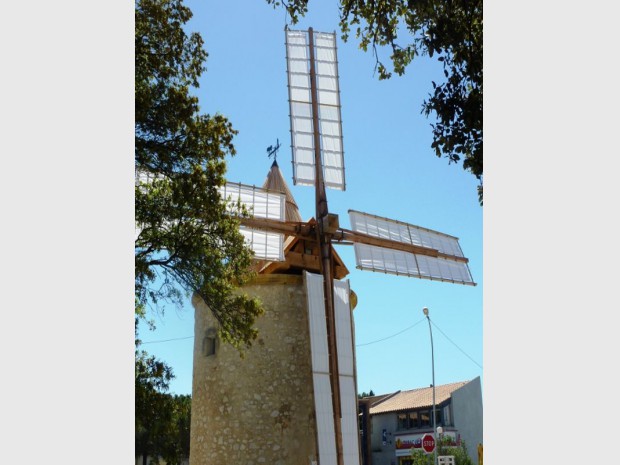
{"points": [[305, 59], [449, 265]]}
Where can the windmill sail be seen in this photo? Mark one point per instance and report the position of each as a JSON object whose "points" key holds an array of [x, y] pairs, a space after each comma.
{"points": [[346, 366], [320, 371], [307, 59], [261, 203], [449, 265]]}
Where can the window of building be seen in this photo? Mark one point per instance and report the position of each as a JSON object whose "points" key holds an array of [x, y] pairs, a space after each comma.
{"points": [[403, 421], [447, 420], [437, 416], [209, 343], [408, 420], [209, 346], [425, 418]]}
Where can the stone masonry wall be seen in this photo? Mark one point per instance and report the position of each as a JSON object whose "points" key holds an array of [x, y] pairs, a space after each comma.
{"points": [[258, 409]]}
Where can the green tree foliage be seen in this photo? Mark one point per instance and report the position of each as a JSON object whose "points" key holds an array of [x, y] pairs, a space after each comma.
{"points": [[445, 446], [186, 242], [450, 30], [459, 451], [419, 457], [162, 421]]}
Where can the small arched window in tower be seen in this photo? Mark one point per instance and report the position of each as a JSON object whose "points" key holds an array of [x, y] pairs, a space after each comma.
{"points": [[209, 343]]}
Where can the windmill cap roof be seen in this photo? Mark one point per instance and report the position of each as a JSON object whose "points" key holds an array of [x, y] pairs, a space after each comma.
{"points": [[275, 181]]}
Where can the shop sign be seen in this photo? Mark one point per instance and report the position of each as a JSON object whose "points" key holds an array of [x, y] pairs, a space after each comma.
{"points": [[408, 443]]}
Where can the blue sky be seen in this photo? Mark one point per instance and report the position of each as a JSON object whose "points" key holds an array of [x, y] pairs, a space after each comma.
{"points": [[390, 171]]}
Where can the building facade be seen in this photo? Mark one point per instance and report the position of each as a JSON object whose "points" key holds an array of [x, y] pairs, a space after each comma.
{"points": [[395, 423]]}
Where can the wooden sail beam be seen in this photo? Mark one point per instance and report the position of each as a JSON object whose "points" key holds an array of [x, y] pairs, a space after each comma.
{"points": [[325, 247], [361, 238], [343, 236], [305, 230]]}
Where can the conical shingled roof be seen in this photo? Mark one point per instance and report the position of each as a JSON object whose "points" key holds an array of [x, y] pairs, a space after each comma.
{"points": [[275, 181]]}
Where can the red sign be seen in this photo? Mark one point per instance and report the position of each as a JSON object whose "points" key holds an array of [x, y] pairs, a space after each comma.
{"points": [[428, 443]]}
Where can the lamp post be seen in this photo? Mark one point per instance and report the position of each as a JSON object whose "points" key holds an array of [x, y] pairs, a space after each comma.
{"points": [[425, 310]]}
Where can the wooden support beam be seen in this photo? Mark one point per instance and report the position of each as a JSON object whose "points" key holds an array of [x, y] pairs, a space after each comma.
{"points": [[326, 256], [307, 231], [289, 228], [360, 238]]}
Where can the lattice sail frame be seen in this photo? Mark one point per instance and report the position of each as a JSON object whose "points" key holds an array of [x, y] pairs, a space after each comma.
{"points": [[381, 259], [328, 107], [261, 203], [320, 371]]}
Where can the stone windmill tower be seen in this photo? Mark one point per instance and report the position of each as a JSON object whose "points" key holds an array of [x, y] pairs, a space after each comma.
{"points": [[260, 409]]}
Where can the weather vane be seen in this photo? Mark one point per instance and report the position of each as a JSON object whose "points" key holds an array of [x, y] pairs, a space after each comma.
{"points": [[273, 151]]}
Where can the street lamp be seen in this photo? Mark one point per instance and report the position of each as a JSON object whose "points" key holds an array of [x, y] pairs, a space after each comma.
{"points": [[440, 436], [425, 310]]}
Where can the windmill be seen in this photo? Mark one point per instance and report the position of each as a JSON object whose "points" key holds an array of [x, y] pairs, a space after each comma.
{"points": [[381, 244]]}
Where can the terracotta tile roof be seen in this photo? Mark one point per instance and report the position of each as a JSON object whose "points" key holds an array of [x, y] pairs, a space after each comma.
{"points": [[415, 398], [373, 400]]}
